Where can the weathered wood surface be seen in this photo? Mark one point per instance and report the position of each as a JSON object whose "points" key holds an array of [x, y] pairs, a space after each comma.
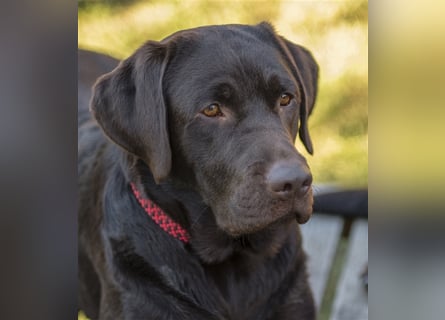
{"points": [[351, 301], [320, 238]]}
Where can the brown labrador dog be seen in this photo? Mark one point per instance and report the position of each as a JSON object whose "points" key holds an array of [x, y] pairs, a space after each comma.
{"points": [[190, 184]]}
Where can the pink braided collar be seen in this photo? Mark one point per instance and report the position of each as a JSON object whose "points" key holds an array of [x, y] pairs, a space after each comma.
{"points": [[161, 218]]}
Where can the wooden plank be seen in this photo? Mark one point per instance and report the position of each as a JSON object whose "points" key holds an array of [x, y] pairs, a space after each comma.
{"points": [[320, 238], [351, 301]]}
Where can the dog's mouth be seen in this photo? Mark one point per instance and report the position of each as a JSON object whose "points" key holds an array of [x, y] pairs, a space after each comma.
{"points": [[241, 219], [250, 203]]}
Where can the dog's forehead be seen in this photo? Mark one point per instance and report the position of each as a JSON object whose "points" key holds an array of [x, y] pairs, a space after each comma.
{"points": [[224, 45], [241, 57]]}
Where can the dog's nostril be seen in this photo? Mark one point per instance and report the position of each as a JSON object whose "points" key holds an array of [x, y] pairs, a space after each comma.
{"points": [[305, 186], [287, 187], [307, 182]]}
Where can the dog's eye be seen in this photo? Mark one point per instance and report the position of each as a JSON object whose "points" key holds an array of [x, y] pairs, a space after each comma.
{"points": [[285, 99], [212, 110]]}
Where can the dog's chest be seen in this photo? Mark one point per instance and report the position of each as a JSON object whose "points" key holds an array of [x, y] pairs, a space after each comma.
{"points": [[233, 290], [246, 287]]}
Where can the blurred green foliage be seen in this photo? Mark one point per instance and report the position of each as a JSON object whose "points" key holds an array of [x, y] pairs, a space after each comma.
{"points": [[336, 32], [81, 316]]}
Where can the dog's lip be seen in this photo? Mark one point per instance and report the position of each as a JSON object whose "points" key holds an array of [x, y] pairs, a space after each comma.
{"points": [[302, 218], [302, 215], [249, 221]]}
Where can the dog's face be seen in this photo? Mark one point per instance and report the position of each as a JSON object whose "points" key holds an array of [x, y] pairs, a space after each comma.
{"points": [[218, 109]]}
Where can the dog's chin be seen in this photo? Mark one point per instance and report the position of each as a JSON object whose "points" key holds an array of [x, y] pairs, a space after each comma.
{"points": [[243, 227]]}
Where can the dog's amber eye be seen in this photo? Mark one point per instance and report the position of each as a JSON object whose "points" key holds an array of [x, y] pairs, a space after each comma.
{"points": [[285, 99], [212, 110]]}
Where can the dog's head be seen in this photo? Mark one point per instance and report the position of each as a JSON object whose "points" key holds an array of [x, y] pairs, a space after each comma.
{"points": [[218, 109]]}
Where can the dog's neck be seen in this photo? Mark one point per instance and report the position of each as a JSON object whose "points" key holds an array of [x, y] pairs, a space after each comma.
{"points": [[211, 244]]}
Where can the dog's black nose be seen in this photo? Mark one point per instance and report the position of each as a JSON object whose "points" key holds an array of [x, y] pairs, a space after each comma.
{"points": [[289, 179]]}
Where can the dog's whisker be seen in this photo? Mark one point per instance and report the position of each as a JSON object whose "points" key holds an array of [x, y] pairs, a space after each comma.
{"points": [[315, 189]]}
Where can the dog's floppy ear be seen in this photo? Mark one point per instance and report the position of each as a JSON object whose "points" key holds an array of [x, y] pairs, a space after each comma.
{"points": [[128, 104], [307, 74]]}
